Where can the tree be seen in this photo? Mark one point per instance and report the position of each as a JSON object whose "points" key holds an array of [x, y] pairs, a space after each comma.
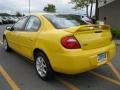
{"points": [[18, 14], [4, 14], [97, 10], [79, 4], [50, 8], [91, 8]]}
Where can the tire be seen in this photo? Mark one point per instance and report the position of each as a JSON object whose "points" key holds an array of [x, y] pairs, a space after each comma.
{"points": [[43, 67], [5, 45]]}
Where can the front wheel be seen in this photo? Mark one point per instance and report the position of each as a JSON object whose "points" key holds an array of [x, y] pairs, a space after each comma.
{"points": [[43, 67], [5, 45]]}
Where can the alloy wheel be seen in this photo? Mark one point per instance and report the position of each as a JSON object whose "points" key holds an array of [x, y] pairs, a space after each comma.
{"points": [[41, 66]]}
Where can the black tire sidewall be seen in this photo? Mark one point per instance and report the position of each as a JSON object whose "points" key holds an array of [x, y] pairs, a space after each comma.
{"points": [[8, 48], [49, 73]]}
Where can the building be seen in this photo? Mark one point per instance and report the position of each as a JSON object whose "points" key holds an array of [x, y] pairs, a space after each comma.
{"points": [[109, 11]]}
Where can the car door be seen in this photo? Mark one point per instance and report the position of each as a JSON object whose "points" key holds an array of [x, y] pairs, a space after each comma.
{"points": [[27, 38], [13, 36]]}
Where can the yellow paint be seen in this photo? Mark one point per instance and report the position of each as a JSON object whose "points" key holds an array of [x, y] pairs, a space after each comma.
{"points": [[69, 61], [67, 84], [8, 79], [116, 72], [105, 77]]}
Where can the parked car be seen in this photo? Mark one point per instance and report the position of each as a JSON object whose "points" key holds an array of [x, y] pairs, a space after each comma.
{"points": [[1, 21], [5, 20], [60, 43], [86, 19], [19, 17], [15, 19], [11, 19]]}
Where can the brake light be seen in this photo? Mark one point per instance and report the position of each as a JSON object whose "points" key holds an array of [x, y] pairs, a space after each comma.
{"points": [[70, 42]]}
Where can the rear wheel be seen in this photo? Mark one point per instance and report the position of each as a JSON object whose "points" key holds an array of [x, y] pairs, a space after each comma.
{"points": [[43, 67], [5, 45]]}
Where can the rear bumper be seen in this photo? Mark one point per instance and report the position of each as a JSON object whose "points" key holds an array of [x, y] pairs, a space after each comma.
{"points": [[77, 61]]}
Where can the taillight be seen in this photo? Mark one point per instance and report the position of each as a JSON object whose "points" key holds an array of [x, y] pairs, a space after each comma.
{"points": [[70, 42]]}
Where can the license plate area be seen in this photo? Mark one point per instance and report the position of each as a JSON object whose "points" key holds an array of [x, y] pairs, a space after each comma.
{"points": [[102, 57]]}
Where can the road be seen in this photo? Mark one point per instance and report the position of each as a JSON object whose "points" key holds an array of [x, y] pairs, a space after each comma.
{"points": [[24, 75]]}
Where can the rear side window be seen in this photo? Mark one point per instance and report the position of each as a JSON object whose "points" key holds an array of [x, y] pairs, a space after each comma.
{"points": [[19, 26], [33, 24], [65, 21]]}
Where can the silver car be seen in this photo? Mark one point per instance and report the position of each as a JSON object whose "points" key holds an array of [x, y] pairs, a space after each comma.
{"points": [[1, 21]]}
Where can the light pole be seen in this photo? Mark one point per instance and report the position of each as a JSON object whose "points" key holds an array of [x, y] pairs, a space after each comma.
{"points": [[97, 10], [29, 6]]}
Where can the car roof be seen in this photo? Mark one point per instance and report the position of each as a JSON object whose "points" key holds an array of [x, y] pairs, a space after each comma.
{"points": [[53, 13], [37, 14], [41, 14]]}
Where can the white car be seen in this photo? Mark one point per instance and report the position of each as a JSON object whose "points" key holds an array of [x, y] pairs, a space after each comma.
{"points": [[86, 19], [11, 19], [5, 20], [15, 19], [0, 20]]}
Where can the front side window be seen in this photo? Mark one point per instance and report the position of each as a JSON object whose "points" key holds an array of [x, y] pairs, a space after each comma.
{"points": [[33, 24], [65, 21], [19, 26]]}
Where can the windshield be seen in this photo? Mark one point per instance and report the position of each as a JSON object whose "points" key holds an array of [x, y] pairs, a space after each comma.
{"points": [[3, 17], [65, 21]]}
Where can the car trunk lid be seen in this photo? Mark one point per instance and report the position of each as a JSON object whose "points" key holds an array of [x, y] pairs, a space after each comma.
{"points": [[92, 36]]}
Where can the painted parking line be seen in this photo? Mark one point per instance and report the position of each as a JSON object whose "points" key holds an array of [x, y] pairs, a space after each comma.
{"points": [[115, 71], [105, 77], [8, 79], [15, 87], [67, 84]]}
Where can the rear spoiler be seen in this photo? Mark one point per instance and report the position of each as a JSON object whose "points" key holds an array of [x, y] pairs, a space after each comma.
{"points": [[88, 27]]}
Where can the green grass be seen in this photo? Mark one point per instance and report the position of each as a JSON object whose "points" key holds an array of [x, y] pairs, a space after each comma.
{"points": [[116, 33]]}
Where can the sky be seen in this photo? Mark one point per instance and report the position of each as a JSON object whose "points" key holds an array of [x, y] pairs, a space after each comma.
{"points": [[12, 6]]}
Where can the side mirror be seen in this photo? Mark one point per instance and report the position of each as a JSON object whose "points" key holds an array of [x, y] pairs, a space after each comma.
{"points": [[9, 28]]}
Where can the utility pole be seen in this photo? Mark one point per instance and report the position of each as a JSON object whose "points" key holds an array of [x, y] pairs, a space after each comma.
{"points": [[29, 6], [97, 10]]}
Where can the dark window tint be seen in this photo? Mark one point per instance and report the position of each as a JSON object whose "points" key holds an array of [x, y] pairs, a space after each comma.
{"points": [[33, 24], [65, 21], [19, 26]]}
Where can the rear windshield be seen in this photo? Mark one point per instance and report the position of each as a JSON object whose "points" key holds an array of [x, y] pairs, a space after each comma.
{"points": [[65, 21]]}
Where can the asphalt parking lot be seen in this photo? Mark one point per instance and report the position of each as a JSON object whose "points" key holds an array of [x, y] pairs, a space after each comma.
{"points": [[24, 75]]}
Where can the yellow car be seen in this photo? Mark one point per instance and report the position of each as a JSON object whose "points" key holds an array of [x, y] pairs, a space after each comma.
{"points": [[60, 42]]}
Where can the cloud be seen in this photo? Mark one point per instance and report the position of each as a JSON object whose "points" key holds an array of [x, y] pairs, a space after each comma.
{"points": [[36, 5], [12, 6]]}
